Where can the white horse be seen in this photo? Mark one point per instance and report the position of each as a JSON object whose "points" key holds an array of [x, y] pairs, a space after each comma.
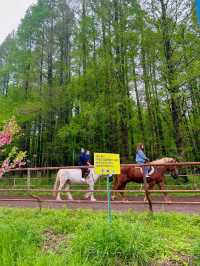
{"points": [[74, 176]]}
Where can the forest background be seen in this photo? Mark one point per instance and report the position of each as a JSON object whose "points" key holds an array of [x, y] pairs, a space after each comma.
{"points": [[104, 75]]}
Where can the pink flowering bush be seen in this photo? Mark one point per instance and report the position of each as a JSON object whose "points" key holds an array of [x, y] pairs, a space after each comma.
{"points": [[15, 159], [5, 138]]}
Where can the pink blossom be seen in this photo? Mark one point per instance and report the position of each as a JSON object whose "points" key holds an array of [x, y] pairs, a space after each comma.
{"points": [[4, 167], [7, 165], [5, 138]]}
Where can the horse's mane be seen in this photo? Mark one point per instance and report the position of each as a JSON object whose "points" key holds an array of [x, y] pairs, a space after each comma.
{"points": [[164, 160]]}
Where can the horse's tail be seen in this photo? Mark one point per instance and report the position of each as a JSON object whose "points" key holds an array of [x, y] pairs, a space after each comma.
{"points": [[114, 186], [115, 181], [55, 187]]}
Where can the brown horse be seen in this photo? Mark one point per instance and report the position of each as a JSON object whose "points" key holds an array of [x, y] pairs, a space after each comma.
{"points": [[135, 174]]}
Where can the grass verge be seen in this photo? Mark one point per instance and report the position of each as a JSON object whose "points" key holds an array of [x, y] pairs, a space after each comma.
{"points": [[81, 237]]}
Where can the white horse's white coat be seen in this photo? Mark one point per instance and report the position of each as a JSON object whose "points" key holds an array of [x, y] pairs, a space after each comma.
{"points": [[74, 176]]}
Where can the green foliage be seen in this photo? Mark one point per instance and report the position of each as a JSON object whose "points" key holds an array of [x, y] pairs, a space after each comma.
{"points": [[77, 237], [17, 244], [117, 63], [196, 253], [121, 243]]}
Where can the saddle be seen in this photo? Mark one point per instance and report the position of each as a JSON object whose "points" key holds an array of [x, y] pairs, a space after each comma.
{"points": [[151, 170]]}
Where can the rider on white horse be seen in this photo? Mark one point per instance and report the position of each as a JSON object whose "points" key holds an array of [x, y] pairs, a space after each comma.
{"points": [[85, 160], [68, 177]]}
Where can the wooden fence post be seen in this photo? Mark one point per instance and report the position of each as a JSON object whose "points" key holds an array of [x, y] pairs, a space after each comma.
{"points": [[147, 196], [28, 178]]}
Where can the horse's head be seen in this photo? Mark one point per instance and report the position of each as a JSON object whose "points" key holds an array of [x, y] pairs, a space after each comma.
{"points": [[168, 167]]}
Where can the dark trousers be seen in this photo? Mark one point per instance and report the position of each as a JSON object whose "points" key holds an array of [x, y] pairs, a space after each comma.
{"points": [[85, 171]]}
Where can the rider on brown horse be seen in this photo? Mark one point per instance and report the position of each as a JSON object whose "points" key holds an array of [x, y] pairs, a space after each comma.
{"points": [[133, 173], [141, 158]]}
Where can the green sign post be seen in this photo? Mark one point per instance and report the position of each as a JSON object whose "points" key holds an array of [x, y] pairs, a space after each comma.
{"points": [[109, 182], [107, 164]]}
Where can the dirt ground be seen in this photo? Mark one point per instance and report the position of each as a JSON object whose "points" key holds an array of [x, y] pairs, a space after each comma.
{"points": [[179, 204]]}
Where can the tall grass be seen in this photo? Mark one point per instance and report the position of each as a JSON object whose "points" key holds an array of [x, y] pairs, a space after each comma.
{"points": [[16, 244], [84, 238], [119, 243], [20, 246]]}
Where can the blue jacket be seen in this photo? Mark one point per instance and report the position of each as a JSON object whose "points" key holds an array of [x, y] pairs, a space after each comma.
{"points": [[87, 158], [83, 159], [140, 156]]}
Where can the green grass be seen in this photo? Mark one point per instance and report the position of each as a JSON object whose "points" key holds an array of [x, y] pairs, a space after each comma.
{"points": [[74, 238]]}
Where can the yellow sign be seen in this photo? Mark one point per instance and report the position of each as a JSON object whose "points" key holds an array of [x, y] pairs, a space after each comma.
{"points": [[106, 163]]}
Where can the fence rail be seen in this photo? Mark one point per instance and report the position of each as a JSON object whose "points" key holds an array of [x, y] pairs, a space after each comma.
{"points": [[39, 200], [145, 191], [99, 201], [122, 165], [103, 190]]}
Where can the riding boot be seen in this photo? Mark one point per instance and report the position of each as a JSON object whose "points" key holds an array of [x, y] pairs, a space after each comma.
{"points": [[83, 175]]}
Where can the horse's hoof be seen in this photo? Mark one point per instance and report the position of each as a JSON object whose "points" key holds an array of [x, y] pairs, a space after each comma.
{"points": [[168, 201], [124, 199], [58, 199], [93, 200], [86, 197]]}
